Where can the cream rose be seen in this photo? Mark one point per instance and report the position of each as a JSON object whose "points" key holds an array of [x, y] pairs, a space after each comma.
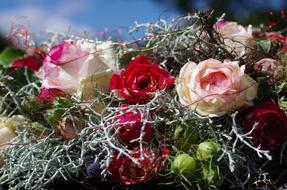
{"points": [[213, 88], [7, 132], [235, 36]]}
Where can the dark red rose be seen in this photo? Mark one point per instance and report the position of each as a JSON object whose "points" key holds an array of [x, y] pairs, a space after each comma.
{"points": [[30, 62], [131, 126], [124, 171], [138, 83], [271, 129], [49, 94]]}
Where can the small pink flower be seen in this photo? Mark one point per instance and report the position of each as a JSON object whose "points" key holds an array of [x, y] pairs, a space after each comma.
{"points": [[46, 94]]}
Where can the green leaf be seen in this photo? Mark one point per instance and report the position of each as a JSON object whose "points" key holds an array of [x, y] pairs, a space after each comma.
{"points": [[61, 102], [264, 45], [54, 115], [8, 55]]}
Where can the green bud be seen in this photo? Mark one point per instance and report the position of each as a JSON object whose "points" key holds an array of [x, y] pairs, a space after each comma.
{"points": [[211, 176], [207, 150], [184, 164]]}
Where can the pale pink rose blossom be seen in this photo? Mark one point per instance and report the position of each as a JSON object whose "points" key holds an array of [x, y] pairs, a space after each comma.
{"points": [[213, 88], [235, 36]]}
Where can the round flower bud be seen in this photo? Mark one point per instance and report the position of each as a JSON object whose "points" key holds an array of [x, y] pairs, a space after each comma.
{"points": [[183, 164], [207, 150]]}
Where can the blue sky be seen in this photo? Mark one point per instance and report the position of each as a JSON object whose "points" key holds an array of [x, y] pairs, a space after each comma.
{"points": [[92, 16]]}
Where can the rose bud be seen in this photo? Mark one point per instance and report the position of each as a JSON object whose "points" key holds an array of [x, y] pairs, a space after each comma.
{"points": [[70, 127]]}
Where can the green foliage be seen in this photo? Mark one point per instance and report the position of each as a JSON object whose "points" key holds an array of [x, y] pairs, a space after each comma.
{"points": [[21, 78], [264, 45], [33, 109], [8, 55], [185, 136]]}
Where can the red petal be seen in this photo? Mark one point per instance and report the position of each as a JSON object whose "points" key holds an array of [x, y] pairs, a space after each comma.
{"points": [[49, 94], [30, 62]]}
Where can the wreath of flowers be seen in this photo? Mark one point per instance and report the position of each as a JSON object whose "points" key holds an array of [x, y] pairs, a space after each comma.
{"points": [[197, 103]]}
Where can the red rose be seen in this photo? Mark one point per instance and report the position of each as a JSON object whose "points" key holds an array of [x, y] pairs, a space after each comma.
{"points": [[49, 94], [276, 36], [123, 170], [138, 83], [131, 126], [30, 62], [271, 129]]}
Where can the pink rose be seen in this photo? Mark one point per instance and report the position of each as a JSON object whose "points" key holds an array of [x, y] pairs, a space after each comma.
{"points": [[266, 66], [235, 36], [68, 63], [214, 88]]}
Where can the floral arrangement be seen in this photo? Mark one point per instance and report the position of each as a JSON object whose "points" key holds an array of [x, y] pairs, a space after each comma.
{"points": [[197, 103]]}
